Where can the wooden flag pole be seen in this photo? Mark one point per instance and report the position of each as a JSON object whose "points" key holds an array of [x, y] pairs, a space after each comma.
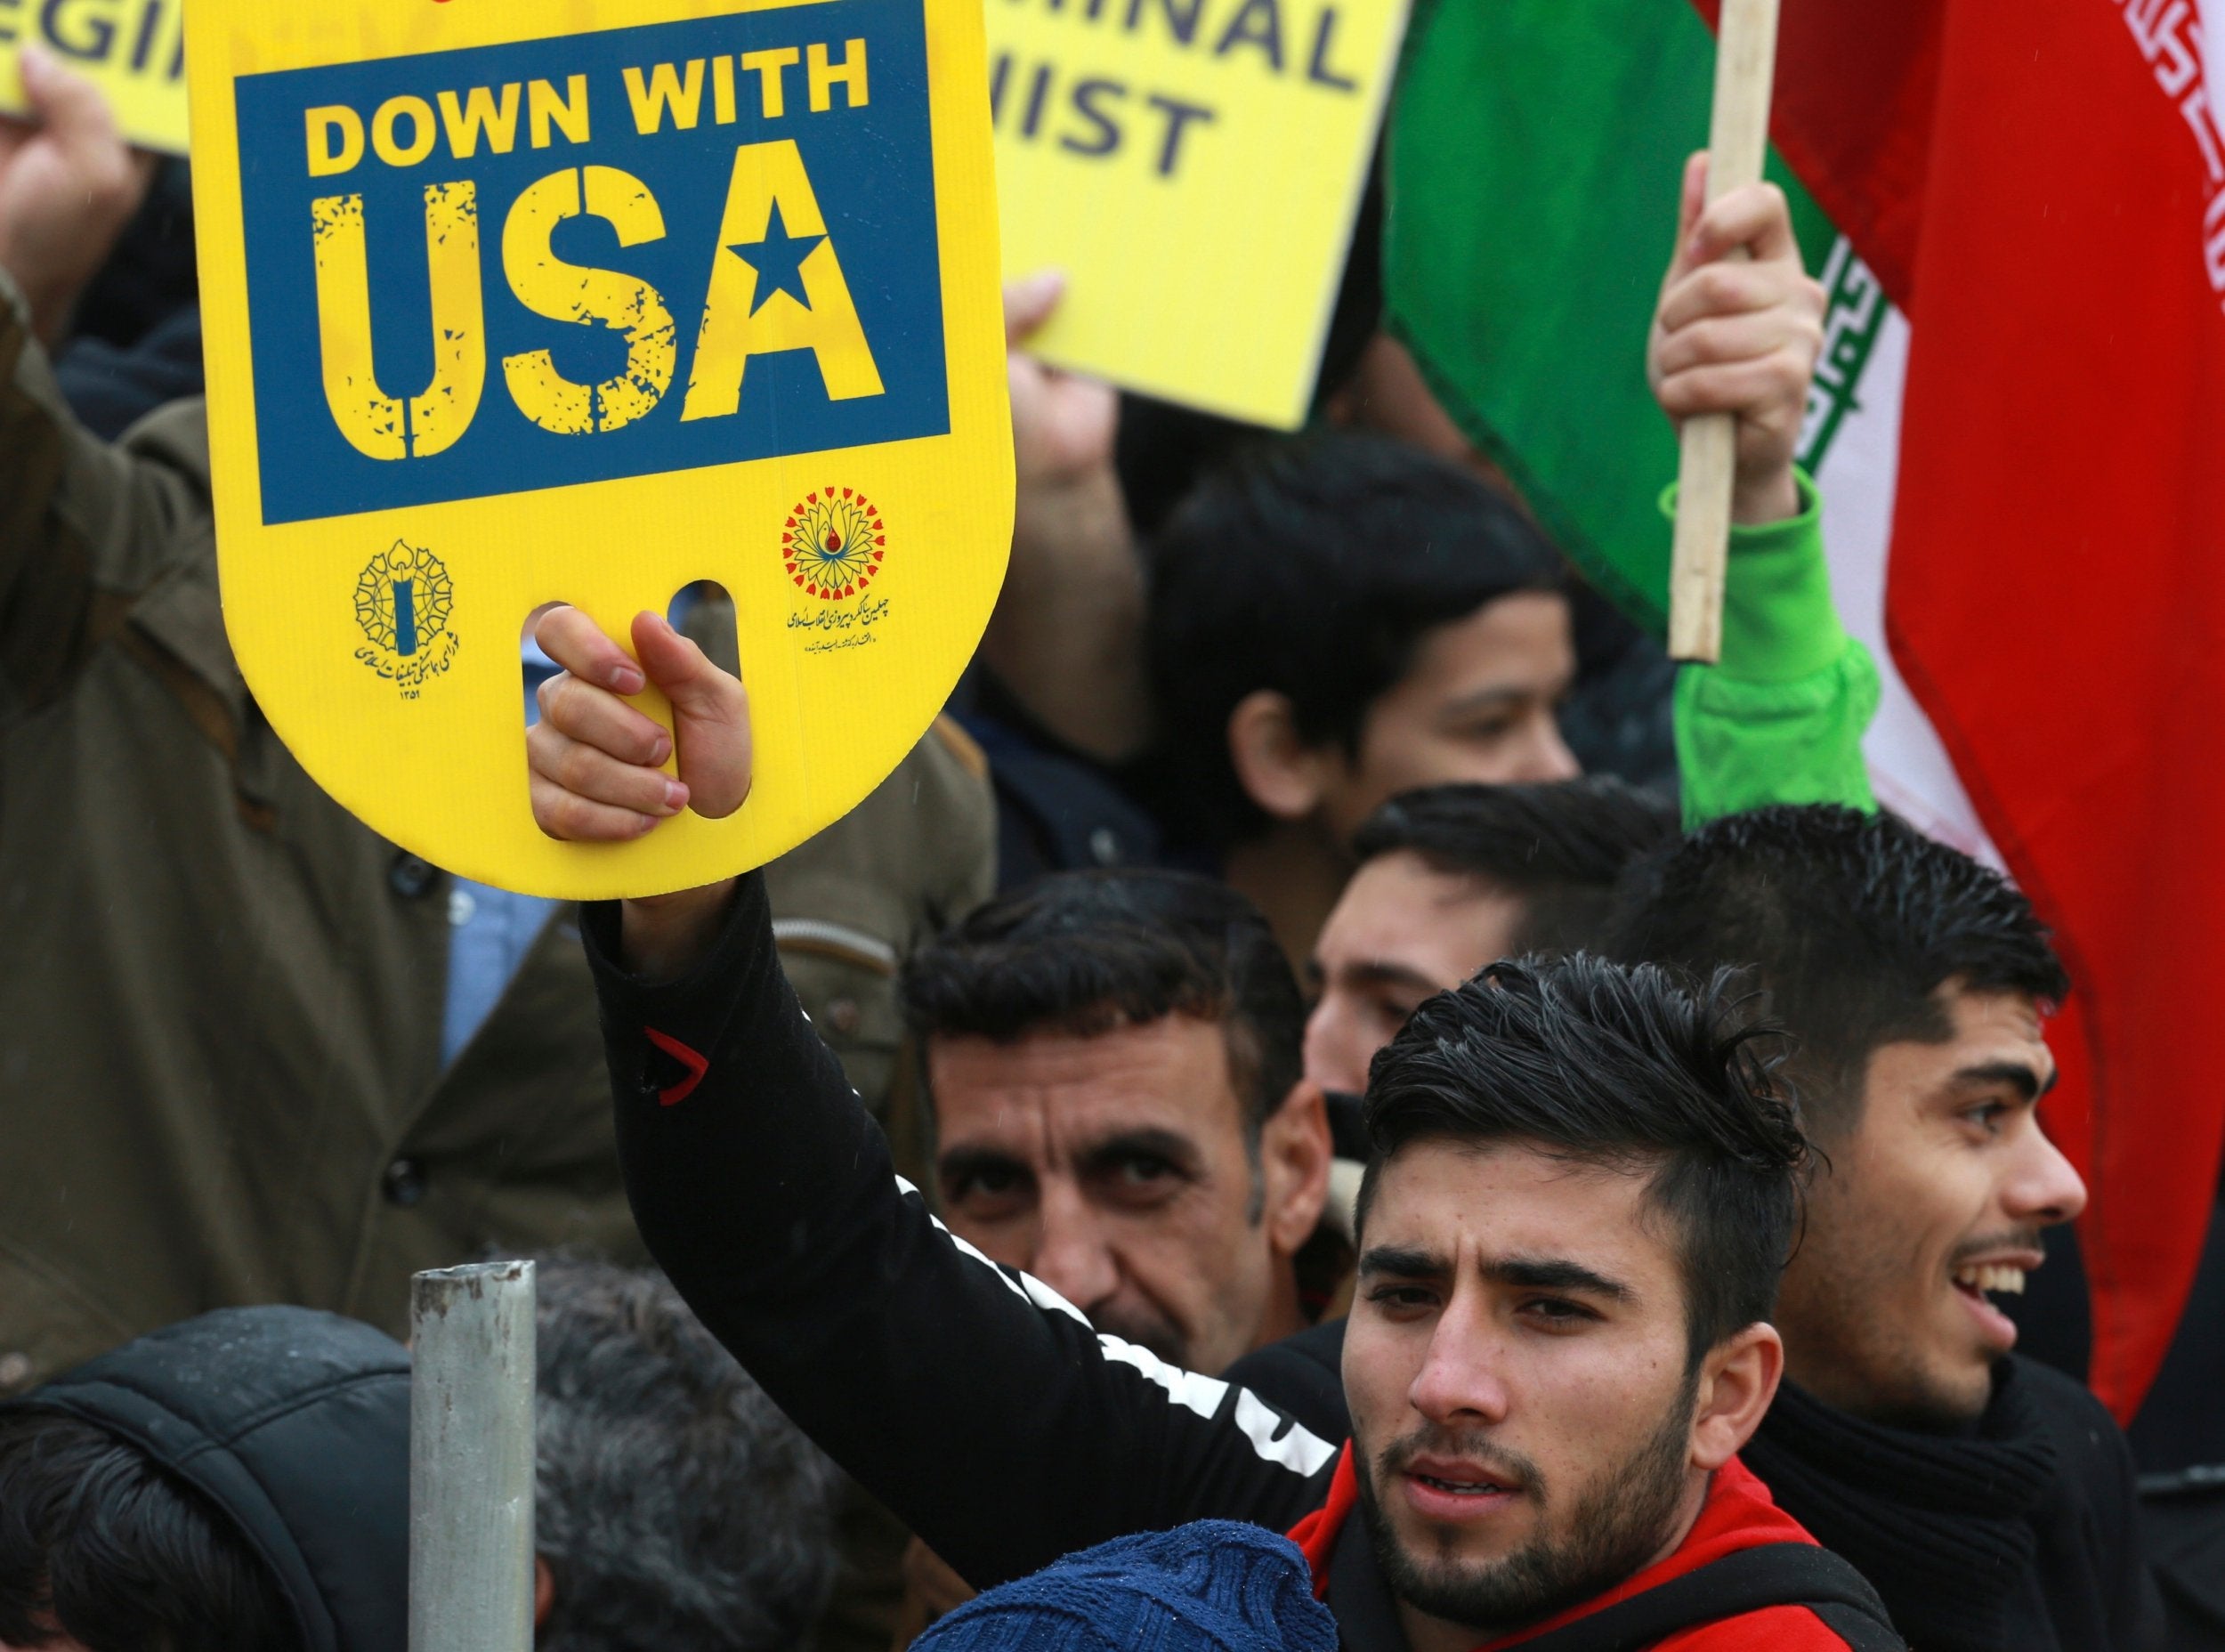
{"points": [[1745, 55]]}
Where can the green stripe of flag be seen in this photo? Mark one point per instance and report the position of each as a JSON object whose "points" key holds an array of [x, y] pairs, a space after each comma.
{"points": [[1535, 151]]}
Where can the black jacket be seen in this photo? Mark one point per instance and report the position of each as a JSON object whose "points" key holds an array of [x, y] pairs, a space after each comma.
{"points": [[976, 1404], [2071, 1577], [295, 1423]]}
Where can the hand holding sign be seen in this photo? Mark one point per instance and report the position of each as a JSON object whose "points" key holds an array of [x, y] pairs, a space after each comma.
{"points": [[599, 765], [533, 312]]}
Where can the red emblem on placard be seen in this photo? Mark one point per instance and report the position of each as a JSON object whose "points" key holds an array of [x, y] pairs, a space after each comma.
{"points": [[833, 543]]}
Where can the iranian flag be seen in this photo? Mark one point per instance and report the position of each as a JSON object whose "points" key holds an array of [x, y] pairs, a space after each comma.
{"points": [[2018, 427]]}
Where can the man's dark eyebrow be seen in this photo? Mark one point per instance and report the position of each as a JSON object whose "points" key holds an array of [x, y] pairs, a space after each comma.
{"points": [[1379, 972], [959, 1164], [1491, 699], [1145, 1142], [1402, 1262], [2016, 1075], [1553, 1273]]}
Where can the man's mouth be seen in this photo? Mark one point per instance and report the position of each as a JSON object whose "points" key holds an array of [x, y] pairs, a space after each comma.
{"points": [[1985, 1277], [1449, 1489], [1978, 1282]]}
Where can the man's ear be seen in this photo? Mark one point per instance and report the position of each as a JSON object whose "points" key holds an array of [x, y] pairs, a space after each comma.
{"points": [[1738, 1379], [1276, 769], [544, 1593], [1294, 1155]]}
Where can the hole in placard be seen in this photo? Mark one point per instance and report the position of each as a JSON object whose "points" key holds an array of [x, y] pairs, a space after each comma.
{"points": [[703, 613], [535, 664]]}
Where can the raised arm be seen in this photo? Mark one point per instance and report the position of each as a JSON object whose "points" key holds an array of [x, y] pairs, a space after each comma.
{"points": [[79, 519], [1780, 719], [969, 1398]]}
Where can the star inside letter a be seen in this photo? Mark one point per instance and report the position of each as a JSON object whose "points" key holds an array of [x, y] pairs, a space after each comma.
{"points": [[777, 260]]}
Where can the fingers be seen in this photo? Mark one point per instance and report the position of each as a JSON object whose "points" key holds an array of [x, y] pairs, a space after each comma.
{"points": [[67, 104], [596, 762], [595, 716], [593, 795], [1720, 339], [1756, 217], [1736, 387], [1730, 289], [1028, 302], [570, 818], [578, 644]]}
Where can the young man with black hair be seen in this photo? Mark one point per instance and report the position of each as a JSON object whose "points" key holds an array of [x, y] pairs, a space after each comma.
{"points": [[1112, 1064], [1452, 877], [1990, 1499], [1334, 619], [1585, 1192], [1338, 620]]}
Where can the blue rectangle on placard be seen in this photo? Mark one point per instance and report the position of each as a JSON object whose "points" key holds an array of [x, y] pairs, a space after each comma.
{"points": [[870, 170]]}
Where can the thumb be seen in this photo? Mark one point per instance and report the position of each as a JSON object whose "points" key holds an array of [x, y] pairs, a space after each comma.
{"points": [[681, 670], [72, 107], [710, 716], [1028, 302]]}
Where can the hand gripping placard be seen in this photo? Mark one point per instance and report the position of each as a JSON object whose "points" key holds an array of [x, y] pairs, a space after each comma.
{"points": [[500, 316]]}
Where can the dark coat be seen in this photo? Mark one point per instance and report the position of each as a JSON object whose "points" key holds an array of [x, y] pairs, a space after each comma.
{"points": [[220, 1075], [295, 1425]]}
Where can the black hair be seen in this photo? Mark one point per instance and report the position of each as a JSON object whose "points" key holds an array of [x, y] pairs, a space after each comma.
{"points": [[678, 1509], [1850, 923], [1623, 1067], [1084, 952], [99, 1540], [1559, 846], [1314, 566]]}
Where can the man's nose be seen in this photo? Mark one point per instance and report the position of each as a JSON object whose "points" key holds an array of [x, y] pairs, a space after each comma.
{"points": [[1333, 1057], [1547, 756], [1072, 1254], [1458, 1381], [2044, 1188]]}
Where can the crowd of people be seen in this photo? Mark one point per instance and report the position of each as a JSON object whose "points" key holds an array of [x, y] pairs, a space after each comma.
{"points": [[1336, 1097]]}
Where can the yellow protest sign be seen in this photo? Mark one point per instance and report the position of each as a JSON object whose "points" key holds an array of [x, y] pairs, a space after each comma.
{"points": [[1194, 167], [510, 302], [133, 50]]}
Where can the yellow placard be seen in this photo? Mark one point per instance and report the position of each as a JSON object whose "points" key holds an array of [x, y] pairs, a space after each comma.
{"points": [[133, 50], [514, 302], [1194, 167]]}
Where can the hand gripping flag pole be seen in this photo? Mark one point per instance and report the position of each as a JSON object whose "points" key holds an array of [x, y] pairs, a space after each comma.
{"points": [[1745, 53]]}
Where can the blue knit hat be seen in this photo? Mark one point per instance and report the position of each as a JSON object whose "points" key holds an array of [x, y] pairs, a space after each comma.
{"points": [[1215, 1586]]}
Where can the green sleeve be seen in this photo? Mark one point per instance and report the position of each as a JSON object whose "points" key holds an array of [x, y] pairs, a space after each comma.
{"points": [[1781, 718]]}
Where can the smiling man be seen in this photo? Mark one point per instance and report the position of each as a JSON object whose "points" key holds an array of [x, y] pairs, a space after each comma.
{"points": [[1990, 1499]]}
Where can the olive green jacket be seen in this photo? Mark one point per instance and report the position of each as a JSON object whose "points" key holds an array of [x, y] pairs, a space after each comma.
{"points": [[221, 1005]]}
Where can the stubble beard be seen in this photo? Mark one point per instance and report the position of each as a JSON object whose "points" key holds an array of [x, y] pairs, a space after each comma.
{"points": [[1616, 1524]]}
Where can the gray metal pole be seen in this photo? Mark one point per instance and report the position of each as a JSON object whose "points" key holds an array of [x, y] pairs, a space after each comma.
{"points": [[471, 1459]]}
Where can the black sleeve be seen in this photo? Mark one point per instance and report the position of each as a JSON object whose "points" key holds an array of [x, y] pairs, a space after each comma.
{"points": [[971, 1399], [1303, 1376]]}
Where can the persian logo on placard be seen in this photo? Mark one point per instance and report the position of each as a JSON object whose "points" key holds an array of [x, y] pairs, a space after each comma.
{"points": [[833, 543], [402, 602]]}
